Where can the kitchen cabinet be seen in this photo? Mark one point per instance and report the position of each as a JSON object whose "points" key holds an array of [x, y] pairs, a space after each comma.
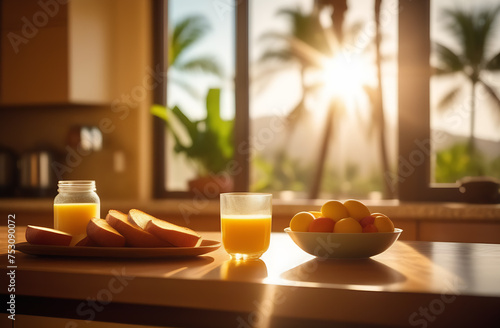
{"points": [[56, 52]]}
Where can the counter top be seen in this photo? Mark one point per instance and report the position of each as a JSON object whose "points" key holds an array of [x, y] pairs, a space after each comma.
{"points": [[411, 284]]}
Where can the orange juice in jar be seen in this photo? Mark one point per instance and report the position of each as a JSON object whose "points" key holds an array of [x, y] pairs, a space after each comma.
{"points": [[74, 206], [246, 224]]}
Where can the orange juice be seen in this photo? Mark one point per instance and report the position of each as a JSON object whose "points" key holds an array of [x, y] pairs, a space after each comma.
{"points": [[73, 218], [246, 234]]}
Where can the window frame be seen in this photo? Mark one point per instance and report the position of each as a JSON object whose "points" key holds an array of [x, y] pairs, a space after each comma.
{"points": [[412, 181], [241, 89], [414, 132]]}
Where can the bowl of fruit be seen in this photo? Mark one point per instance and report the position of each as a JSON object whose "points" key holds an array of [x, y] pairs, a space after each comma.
{"points": [[343, 230]]}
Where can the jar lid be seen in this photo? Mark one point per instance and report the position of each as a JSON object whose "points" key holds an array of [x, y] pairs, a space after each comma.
{"points": [[76, 185]]}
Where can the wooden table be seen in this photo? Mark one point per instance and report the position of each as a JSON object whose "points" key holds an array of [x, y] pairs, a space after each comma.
{"points": [[413, 284]]}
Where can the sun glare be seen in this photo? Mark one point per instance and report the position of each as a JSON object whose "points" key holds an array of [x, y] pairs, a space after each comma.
{"points": [[345, 77]]}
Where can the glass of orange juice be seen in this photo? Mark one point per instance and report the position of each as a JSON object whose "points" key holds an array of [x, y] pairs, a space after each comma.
{"points": [[246, 223]]}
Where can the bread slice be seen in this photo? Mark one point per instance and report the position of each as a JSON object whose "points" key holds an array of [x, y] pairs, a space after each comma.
{"points": [[103, 234], [172, 233], [140, 218], [134, 235], [36, 235]]}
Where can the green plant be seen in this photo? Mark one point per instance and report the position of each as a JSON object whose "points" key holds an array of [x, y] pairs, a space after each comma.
{"points": [[211, 139], [281, 172], [456, 162]]}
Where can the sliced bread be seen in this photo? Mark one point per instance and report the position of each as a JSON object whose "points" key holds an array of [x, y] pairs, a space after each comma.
{"points": [[36, 235], [172, 233], [134, 235], [140, 218], [103, 234]]}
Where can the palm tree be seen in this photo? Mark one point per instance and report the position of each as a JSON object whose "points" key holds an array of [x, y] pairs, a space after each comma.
{"points": [[378, 104], [473, 31], [306, 45], [182, 37], [339, 8], [306, 28], [303, 45]]}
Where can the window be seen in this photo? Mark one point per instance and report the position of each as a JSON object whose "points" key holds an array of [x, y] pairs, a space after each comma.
{"points": [[319, 108], [427, 169], [465, 103], [314, 110], [278, 153], [195, 40]]}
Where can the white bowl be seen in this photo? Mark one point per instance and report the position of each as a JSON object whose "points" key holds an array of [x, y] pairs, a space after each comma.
{"points": [[344, 245]]}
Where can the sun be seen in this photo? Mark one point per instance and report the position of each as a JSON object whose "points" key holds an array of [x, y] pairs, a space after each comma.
{"points": [[345, 77]]}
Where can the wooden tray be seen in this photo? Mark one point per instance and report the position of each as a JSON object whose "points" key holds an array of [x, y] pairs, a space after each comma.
{"points": [[206, 246]]}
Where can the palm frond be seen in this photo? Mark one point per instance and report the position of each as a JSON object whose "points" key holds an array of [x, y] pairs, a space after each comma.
{"points": [[484, 24], [448, 99], [280, 55], [307, 28], [494, 63], [306, 53], [273, 36], [491, 92], [461, 24], [448, 61], [200, 64], [472, 29], [188, 31]]}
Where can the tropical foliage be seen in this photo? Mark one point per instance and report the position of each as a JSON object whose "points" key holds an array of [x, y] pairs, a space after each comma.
{"points": [[207, 143], [210, 140], [456, 162], [295, 176], [183, 36]]}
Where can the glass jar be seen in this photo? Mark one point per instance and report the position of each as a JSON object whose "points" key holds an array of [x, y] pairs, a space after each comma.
{"points": [[74, 206]]}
